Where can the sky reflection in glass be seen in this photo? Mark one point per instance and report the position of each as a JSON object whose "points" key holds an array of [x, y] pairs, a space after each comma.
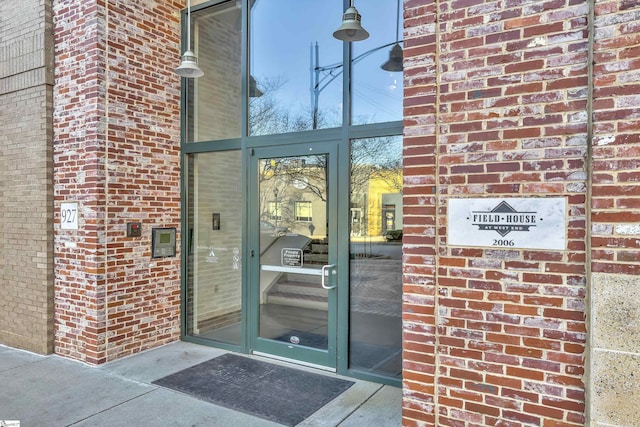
{"points": [[282, 36]]}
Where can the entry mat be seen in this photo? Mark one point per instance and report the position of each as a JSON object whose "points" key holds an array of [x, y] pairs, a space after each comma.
{"points": [[276, 393]]}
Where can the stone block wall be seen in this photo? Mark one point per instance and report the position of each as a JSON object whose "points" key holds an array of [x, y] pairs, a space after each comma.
{"points": [[117, 155], [26, 191]]}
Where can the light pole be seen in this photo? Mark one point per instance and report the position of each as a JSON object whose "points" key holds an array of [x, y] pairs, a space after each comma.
{"points": [[322, 76]]}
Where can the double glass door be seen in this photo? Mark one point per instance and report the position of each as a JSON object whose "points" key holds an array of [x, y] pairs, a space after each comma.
{"points": [[293, 228]]}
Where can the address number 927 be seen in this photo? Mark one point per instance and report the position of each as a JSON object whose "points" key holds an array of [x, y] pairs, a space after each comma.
{"points": [[68, 216]]}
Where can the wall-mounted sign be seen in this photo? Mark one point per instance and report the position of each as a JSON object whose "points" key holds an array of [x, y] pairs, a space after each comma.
{"points": [[519, 223], [69, 216], [291, 257]]}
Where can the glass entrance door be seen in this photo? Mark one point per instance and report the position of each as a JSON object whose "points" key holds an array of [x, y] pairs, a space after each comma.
{"points": [[293, 231]]}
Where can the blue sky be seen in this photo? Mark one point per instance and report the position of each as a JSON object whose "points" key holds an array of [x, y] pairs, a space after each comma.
{"points": [[284, 30]]}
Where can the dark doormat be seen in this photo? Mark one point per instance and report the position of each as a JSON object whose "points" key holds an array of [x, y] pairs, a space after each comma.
{"points": [[266, 390]]}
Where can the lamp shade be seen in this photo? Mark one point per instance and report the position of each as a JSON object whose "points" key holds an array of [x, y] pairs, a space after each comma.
{"points": [[189, 66], [395, 59], [351, 30], [254, 92]]}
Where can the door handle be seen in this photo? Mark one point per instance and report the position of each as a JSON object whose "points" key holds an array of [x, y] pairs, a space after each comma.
{"points": [[325, 273]]}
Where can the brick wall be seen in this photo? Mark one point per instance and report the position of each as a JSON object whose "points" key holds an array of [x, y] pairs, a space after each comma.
{"points": [[615, 216], [26, 260], [117, 155], [495, 106], [616, 146]]}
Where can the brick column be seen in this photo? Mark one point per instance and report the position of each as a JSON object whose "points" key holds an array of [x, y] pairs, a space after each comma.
{"points": [[496, 106], [117, 155], [615, 215], [419, 213]]}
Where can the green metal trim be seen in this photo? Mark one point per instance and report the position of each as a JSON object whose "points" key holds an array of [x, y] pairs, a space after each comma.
{"points": [[376, 378], [185, 149], [210, 146], [303, 354], [183, 249], [318, 357], [333, 200], [340, 139], [252, 259], [343, 251], [204, 5], [376, 130], [246, 318], [183, 189], [306, 137], [319, 135], [217, 344]]}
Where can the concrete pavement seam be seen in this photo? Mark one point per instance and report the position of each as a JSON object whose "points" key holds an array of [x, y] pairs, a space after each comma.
{"points": [[360, 405], [111, 407]]}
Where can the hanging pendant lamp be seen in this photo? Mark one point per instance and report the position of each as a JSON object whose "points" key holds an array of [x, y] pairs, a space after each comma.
{"points": [[254, 91], [395, 59], [395, 54], [189, 66], [351, 30]]}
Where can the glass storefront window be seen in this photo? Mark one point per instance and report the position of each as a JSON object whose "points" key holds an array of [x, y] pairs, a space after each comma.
{"points": [[294, 82], [377, 93], [289, 41], [375, 297], [296, 69], [214, 107], [214, 266]]}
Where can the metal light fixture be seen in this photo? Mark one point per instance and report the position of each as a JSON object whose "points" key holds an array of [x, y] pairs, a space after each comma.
{"points": [[395, 59], [254, 91], [351, 30], [189, 66], [395, 54]]}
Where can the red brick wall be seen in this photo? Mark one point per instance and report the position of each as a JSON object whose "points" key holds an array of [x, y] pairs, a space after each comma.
{"points": [[116, 153], [614, 329], [419, 214], [495, 106], [616, 146]]}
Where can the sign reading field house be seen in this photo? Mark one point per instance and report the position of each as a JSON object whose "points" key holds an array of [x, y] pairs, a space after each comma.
{"points": [[524, 223]]}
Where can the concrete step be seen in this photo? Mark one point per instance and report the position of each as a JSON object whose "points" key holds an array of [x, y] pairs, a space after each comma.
{"points": [[312, 289], [297, 300], [303, 279], [299, 293]]}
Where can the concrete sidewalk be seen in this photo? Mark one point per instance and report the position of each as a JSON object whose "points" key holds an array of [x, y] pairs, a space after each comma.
{"points": [[52, 391]]}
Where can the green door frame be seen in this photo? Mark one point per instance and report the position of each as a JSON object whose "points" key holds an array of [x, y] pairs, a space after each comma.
{"points": [[341, 136], [305, 355]]}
